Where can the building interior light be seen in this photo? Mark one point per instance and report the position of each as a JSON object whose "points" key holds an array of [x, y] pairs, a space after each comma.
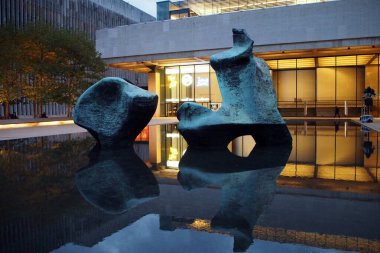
{"points": [[202, 99], [172, 81], [202, 81], [205, 68], [171, 71], [173, 100], [187, 80], [339, 61], [350, 60], [172, 135], [188, 69]]}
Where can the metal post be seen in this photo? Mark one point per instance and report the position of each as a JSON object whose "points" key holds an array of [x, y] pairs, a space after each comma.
{"points": [[345, 108], [305, 109]]}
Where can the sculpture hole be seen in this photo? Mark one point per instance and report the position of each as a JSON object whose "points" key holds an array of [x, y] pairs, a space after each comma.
{"points": [[242, 146]]}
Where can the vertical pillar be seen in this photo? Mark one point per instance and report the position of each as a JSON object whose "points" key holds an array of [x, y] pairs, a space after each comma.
{"points": [[237, 146], [154, 86], [155, 144]]}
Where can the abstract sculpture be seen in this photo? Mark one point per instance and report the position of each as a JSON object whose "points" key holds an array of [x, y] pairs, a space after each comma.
{"points": [[116, 180], [114, 111], [249, 102]]}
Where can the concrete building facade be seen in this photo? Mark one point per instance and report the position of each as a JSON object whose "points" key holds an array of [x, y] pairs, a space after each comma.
{"points": [[321, 55]]}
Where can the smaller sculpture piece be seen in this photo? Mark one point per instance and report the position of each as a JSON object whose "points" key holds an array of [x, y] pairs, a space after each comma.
{"points": [[249, 102], [114, 111]]}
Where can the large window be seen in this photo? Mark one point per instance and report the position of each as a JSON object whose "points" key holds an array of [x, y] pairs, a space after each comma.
{"points": [[318, 86], [187, 83], [171, 90]]}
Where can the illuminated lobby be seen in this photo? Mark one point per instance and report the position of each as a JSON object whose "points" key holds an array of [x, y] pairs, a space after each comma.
{"points": [[307, 86]]}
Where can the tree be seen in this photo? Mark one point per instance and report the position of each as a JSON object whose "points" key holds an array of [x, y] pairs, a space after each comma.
{"points": [[40, 64], [11, 66], [46, 64], [79, 66]]}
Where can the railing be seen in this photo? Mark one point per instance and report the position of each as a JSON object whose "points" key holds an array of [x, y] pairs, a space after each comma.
{"points": [[171, 108], [295, 107]]}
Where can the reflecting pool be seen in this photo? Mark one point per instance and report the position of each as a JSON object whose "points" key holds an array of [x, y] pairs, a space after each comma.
{"points": [[61, 194]]}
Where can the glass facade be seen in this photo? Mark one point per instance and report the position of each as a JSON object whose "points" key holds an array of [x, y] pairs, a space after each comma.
{"points": [[317, 86], [188, 8]]}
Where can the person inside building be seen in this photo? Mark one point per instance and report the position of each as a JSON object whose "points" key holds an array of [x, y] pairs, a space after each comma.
{"points": [[337, 113]]}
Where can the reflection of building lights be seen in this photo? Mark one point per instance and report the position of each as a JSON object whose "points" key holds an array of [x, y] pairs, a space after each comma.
{"points": [[187, 80], [172, 135], [173, 158], [201, 225], [173, 154], [173, 164], [345, 129]]}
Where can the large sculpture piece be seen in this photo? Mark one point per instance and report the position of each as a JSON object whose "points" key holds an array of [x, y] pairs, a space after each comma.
{"points": [[249, 102], [114, 111]]}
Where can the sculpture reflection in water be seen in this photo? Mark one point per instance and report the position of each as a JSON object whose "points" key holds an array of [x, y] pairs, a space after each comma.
{"points": [[116, 180], [247, 184]]}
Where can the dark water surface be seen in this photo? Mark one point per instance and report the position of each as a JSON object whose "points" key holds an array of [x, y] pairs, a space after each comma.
{"points": [[62, 194]]}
